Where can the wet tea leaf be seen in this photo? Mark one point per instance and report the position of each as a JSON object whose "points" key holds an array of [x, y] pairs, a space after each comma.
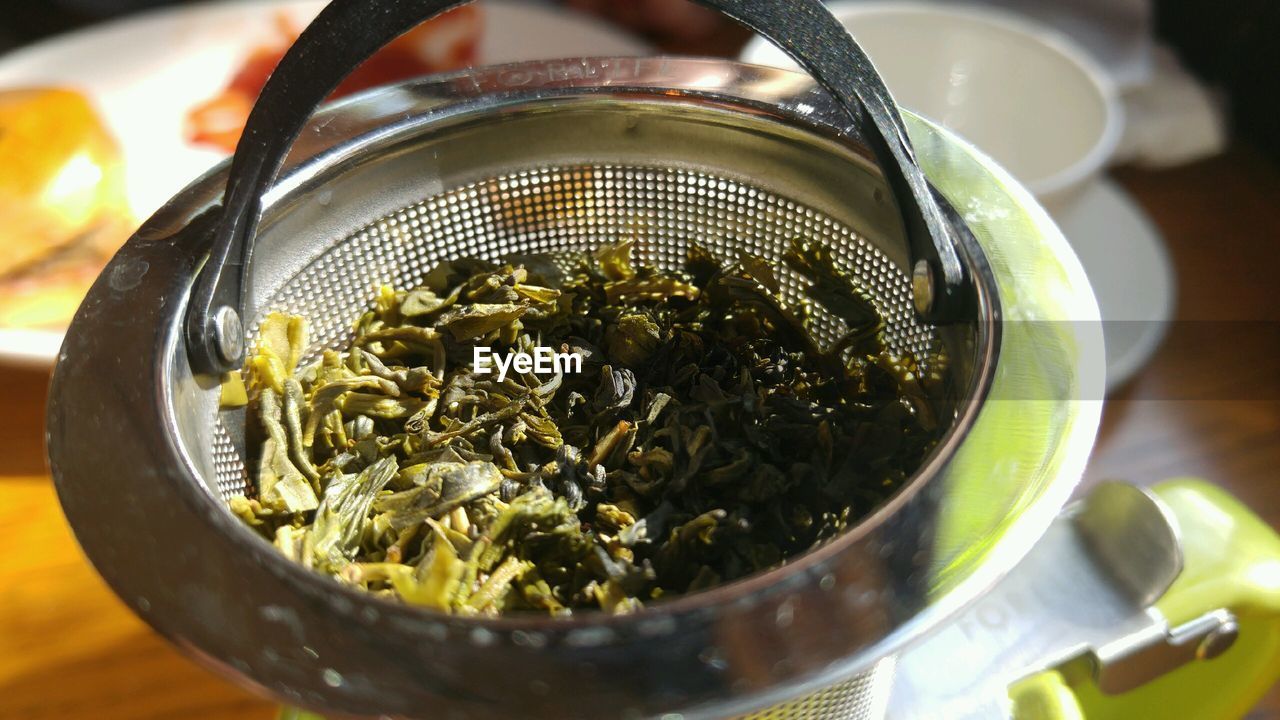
{"points": [[708, 435]]}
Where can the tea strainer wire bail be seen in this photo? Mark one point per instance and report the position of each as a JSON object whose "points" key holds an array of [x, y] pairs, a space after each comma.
{"points": [[384, 186], [347, 32]]}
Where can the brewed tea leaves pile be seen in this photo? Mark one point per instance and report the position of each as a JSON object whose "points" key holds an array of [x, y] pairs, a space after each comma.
{"points": [[707, 436]]}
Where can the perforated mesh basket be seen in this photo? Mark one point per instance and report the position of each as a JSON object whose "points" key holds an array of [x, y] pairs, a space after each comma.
{"points": [[561, 209], [535, 158]]}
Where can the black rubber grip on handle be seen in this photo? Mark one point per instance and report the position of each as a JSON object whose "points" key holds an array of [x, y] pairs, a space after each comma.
{"points": [[348, 32]]}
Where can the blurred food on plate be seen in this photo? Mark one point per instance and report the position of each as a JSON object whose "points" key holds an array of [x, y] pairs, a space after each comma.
{"points": [[448, 42], [676, 19], [62, 203], [64, 209]]}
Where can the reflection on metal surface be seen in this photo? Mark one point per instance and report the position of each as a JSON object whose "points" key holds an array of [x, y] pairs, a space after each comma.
{"points": [[1135, 538], [1063, 604], [1129, 662], [862, 697]]}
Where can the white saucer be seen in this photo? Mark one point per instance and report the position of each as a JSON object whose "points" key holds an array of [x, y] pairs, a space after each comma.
{"points": [[1127, 263]]}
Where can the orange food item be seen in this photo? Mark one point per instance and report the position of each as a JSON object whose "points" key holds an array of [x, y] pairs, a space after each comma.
{"points": [[48, 294], [446, 43], [63, 210], [60, 172]]}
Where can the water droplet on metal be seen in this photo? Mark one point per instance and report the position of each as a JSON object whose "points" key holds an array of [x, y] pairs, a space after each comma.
{"points": [[482, 637], [713, 657], [786, 614]]}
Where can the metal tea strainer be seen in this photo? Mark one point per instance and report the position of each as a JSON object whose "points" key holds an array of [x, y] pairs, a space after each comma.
{"points": [[552, 156]]}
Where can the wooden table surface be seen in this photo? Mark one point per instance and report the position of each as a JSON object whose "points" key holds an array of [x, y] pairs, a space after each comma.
{"points": [[69, 649]]}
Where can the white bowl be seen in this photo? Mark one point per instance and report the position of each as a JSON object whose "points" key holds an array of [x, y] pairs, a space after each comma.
{"points": [[1023, 93]]}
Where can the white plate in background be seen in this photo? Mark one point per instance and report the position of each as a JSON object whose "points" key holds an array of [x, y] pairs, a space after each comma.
{"points": [[145, 73], [1130, 271], [1122, 253]]}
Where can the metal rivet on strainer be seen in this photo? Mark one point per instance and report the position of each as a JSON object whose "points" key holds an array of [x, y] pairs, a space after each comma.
{"points": [[228, 334]]}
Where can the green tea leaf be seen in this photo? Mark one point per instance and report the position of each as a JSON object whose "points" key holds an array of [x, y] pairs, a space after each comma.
{"points": [[475, 321], [343, 513]]}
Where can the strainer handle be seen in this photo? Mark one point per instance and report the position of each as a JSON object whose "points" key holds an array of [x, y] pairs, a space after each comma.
{"points": [[347, 32]]}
